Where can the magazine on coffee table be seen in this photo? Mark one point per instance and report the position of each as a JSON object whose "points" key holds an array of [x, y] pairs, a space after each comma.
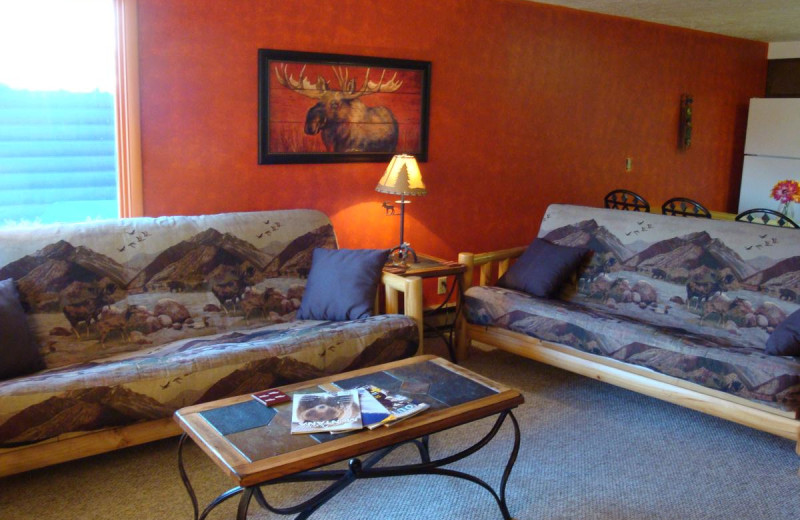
{"points": [[326, 412], [373, 413], [397, 406]]}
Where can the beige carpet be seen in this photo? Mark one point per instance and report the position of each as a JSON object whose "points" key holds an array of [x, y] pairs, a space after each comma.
{"points": [[589, 451]]}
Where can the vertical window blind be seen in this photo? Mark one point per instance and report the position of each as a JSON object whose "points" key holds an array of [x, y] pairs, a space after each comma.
{"points": [[57, 156], [57, 111]]}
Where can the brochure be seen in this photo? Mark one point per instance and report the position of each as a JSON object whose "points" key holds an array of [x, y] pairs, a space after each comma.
{"points": [[326, 412]]}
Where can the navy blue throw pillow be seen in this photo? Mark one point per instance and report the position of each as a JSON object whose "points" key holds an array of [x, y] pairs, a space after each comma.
{"points": [[543, 268], [19, 354], [342, 284], [785, 339]]}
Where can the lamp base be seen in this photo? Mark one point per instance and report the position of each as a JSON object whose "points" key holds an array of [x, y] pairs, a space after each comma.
{"points": [[401, 254]]}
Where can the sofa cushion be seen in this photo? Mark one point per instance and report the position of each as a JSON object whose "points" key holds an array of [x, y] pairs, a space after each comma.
{"points": [[715, 361], [19, 353], [154, 382], [97, 289], [785, 339], [710, 277], [543, 268], [342, 284]]}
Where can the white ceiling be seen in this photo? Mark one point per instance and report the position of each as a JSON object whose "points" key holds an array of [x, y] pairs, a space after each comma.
{"points": [[762, 20]]}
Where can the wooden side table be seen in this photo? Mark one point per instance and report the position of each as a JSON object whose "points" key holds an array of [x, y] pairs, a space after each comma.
{"points": [[428, 266]]}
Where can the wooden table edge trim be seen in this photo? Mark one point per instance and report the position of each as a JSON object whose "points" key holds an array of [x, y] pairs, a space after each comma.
{"points": [[214, 450]]}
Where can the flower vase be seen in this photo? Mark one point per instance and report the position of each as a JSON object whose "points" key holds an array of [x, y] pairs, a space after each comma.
{"points": [[787, 209]]}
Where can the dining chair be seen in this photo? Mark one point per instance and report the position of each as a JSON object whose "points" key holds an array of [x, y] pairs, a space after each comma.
{"points": [[626, 200], [683, 207], [765, 216]]}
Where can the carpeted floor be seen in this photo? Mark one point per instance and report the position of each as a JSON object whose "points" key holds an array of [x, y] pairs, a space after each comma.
{"points": [[589, 451]]}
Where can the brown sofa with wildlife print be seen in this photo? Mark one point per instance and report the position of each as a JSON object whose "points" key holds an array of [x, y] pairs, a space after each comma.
{"points": [[135, 318], [683, 309]]}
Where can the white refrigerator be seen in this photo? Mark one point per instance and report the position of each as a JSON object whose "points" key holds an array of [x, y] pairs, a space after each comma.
{"points": [[772, 150]]}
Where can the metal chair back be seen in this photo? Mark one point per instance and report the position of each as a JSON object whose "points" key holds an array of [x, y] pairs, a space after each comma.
{"points": [[683, 207], [767, 217], [626, 200]]}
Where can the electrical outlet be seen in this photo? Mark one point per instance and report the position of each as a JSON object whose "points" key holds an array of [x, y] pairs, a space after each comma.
{"points": [[628, 164], [442, 286]]}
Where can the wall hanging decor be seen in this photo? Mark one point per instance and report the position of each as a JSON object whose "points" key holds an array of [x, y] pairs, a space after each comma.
{"points": [[685, 132], [320, 108]]}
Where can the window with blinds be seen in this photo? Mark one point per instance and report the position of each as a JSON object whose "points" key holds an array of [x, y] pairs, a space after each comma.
{"points": [[57, 129]]}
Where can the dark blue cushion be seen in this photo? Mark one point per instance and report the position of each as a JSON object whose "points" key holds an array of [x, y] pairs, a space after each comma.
{"points": [[785, 339], [543, 268], [342, 284], [19, 354]]}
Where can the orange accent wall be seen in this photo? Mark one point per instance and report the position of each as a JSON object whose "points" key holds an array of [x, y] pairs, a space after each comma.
{"points": [[531, 104]]}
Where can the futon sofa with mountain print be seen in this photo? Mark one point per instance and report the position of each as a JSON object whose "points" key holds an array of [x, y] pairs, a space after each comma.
{"points": [[136, 318], [690, 299]]}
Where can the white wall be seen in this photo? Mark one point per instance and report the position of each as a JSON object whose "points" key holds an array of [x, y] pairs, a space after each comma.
{"points": [[783, 50]]}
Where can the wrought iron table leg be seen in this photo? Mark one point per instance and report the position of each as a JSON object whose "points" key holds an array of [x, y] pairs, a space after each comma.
{"points": [[424, 448], [509, 466], [343, 478], [349, 478], [185, 478], [244, 503], [434, 467]]}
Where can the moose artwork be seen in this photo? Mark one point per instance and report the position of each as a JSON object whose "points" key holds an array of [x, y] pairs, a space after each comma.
{"points": [[335, 108]]}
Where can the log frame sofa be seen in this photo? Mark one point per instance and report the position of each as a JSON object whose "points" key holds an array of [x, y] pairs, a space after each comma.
{"points": [[483, 269], [110, 383], [72, 446]]}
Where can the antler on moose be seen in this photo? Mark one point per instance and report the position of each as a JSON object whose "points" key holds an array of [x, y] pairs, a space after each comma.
{"points": [[347, 85], [301, 86]]}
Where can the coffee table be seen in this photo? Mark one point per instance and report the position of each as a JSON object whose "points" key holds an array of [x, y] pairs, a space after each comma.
{"points": [[253, 445]]}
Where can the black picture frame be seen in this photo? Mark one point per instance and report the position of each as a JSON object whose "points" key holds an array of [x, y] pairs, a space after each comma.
{"points": [[323, 136]]}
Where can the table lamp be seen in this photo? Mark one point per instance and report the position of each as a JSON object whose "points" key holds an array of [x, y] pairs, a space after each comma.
{"points": [[402, 177]]}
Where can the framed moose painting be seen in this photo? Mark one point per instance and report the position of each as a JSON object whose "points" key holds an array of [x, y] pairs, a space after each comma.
{"points": [[320, 108]]}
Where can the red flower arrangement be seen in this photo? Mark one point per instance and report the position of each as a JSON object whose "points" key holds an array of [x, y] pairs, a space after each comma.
{"points": [[786, 192]]}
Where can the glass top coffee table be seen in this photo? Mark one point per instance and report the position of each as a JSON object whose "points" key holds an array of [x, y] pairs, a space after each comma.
{"points": [[253, 445]]}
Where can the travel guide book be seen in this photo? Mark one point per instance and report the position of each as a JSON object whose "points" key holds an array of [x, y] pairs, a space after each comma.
{"points": [[326, 412]]}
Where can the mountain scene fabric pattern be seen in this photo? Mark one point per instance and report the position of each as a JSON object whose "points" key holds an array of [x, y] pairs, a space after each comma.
{"points": [[136, 318], [96, 290], [692, 298]]}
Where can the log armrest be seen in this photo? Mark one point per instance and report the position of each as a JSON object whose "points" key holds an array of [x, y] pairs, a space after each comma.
{"points": [[492, 265], [411, 288], [493, 261]]}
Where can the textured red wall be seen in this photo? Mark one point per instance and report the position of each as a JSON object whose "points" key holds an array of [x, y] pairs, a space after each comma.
{"points": [[530, 105]]}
